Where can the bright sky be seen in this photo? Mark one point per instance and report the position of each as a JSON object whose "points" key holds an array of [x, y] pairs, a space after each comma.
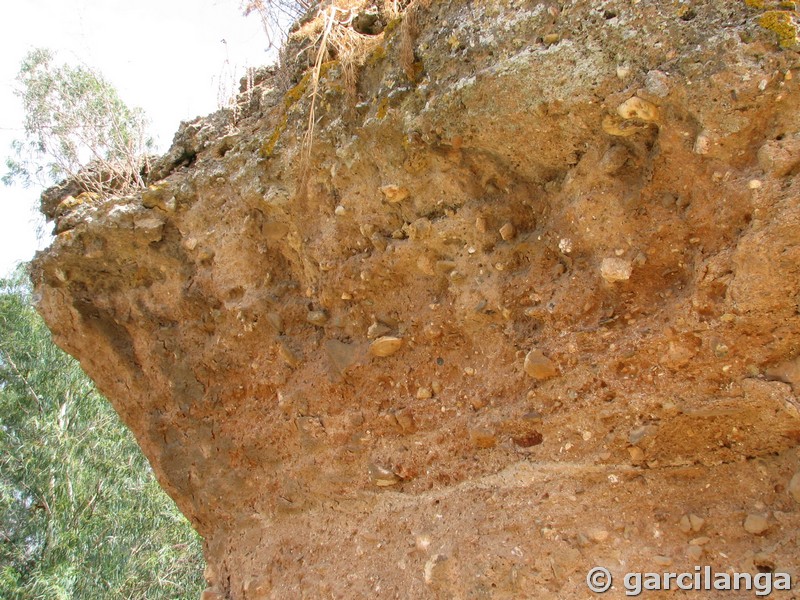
{"points": [[165, 56]]}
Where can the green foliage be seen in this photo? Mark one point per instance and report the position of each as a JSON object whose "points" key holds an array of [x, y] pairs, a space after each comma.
{"points": [[75, 119], [81, 515]]}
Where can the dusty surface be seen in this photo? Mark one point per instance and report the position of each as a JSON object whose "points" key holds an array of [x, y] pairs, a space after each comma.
{"points": [[534, 311]]}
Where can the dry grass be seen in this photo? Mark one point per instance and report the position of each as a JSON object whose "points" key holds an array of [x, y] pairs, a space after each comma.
{"points": [[332, 37], [277, 15], [335, 40], [408, 38]]}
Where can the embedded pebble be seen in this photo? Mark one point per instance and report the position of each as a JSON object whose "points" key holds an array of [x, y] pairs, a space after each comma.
{"points": [[378, 241], [787, 371], [377, 329], [636, 108], [780, 157], [657, 84], [385, 346], [342, 356], [637, 454], [424, 393], [612, 161], [694, 552], [691, 522], [662, 561], [794, 487], [756, 524], [508, 232], [551, 38], [637, 434], [405, 421], [394, 193], [381, 476], [702, 143], [615, 125], [426, 265], [615, 269], [275, 321], [317, 317], [528, 440], [597, 535], [538, 366], [533, 416], [287, 354], [480, 224], [697, 522], [482, 438]]}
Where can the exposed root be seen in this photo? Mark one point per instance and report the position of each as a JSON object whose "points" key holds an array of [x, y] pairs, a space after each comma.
{"points": [[337, 40]]}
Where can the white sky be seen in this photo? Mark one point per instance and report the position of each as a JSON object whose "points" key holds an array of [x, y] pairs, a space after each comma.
{"points": [[165, 56]]}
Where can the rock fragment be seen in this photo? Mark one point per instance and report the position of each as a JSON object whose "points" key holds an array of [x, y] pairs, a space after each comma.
{"points": [[691, 523], [636, 108], [780, 157], [508, 232], [405, 420], [317, 317], [482, 438], [697, 522], [424, 393], [287, 354], [385, 346], [616, 269], [756, 524], [657, 83], [551, 38], [597, 534], [636, 453], [341, 355], [382, 476], [538, 366], [637, 434], [694, 553], [528, 440], [702, 143], [394, 193], [787, 372]]}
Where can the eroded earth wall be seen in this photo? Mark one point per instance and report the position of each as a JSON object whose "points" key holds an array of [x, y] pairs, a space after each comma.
{"points": [[529, 305]]}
